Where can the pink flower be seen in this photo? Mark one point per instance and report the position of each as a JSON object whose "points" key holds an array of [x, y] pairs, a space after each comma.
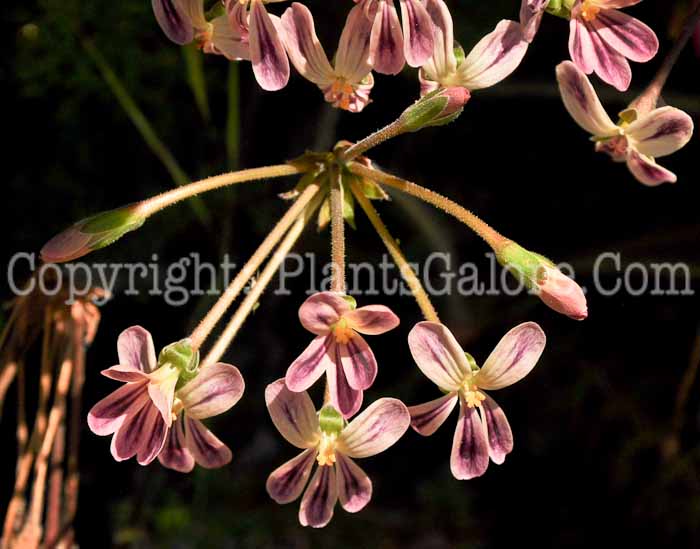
{"points": [[494, 58], [389, 48], [531, 12], [215, 389], [486, 433], [637, 139], [346, 85], [333, 445], [602, 39], [138, 414], [338, 349]]}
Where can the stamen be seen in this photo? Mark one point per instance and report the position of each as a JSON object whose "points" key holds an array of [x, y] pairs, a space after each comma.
{"points": [[472, 395], [326, 450], [589, 11], [343, 332]]}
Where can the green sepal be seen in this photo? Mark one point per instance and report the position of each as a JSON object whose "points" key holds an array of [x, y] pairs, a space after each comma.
{"points": [[560, 8], [330, 420], [351, 301], [424, 112], [182, 356], [526, 265], [472, 363]]}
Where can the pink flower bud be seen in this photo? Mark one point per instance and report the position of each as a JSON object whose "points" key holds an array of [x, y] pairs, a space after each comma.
{"points": [[562, 294]]}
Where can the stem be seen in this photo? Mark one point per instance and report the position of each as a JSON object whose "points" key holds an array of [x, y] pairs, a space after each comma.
{"points": [[387, 132], [337, 235], [152, 205], [8, 372], [54, 504], [268, 272], [244, 275], [650, 96], [408, 274], [487, 233]]}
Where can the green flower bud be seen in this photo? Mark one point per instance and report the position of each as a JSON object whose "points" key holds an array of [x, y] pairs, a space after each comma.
{"points": [[182, 356], [92, 234], [437, 108]]}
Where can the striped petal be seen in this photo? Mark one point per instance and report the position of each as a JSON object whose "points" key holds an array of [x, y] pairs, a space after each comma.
{"points": [[293, 414], [354, 486], [320, 311], [438, 355], [286, 483], [352, 57], [316, 508], [417, 32], [581, 47], [581, 101], [172, 21], [215, 389], [626, 35], [107, 416], [443, 61], [358, 362], [376, 429], [304, 49], [142, 433], [647, 171], [208, 451], [226, 41], [343, 397], [270, 63], [661, 132], [372, 319], [498, 430], [513, 358], [135, 348], [127, 374], [310, 365], [175, 454], [427, 418], [531, 12], [614, 4], [470, 448], [156, 433], [610, 66], [386, 41], [494, 58]]}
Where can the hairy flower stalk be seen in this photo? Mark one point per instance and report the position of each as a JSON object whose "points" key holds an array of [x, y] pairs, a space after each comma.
{"points": [[337, 233], [104, 228]]}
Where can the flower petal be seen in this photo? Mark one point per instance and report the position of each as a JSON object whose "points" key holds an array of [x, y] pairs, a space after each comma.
{"points": [[176, 25], [213, 391], [443, 61], [438, 355], [270, 63], [316, 508], [354, 486], [610, 66], [132, 434], [343, 397], [320, 311], [208, 451], [426, 418], [352, 56], [531, 12], [626, 35], [372, 319], [358, 362], [417, 32], [581, 47], [135, 348], [661, 132], [175, 454], [286, 483], [374, 430], [156, 433], [161, 389], [226, 41], [303, 47], [581, 101], [386, 43], [513, 358], [127, 374], [647, 171], [470, 448], [108, 414], [293, 414], [614, 4], [310, 364], [494, 58], [498, 430]]}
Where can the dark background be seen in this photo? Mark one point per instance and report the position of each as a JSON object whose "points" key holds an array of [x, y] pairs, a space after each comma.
{"points": [[590, 423]]}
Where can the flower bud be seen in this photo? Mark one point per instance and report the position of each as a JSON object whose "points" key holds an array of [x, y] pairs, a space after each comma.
{"points": [[91, 234], [554, 288], [437, 108]]}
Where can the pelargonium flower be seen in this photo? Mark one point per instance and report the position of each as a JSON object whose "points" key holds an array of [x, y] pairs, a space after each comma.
{"points": [[338, 349], [531, 12], [494, 58], [213, 391], [602, 39], [139, 413], [486, 433], [346, 85], [183, 21], [637, 139], [389, 48], [333, 444]]}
